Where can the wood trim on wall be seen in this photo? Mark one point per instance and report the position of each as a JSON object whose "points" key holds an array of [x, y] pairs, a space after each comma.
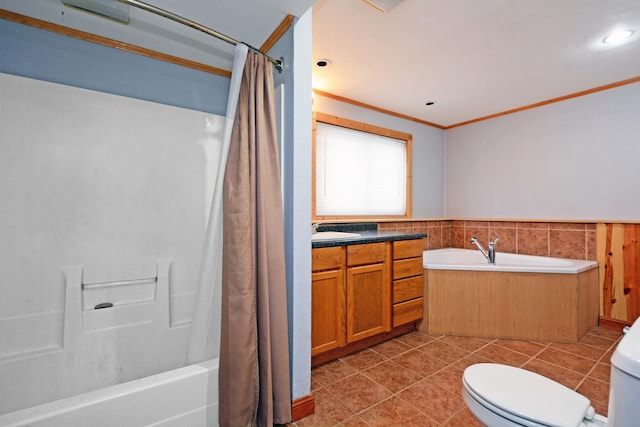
{"points": [[313, 166], [631, 270], [277, 33], [567, 220], [608, 289], [374, 108], [104, 41], [302, 407], [619, 258], [479, 119], [614, 324], [550, 101], [409, 167], [364, 127]]}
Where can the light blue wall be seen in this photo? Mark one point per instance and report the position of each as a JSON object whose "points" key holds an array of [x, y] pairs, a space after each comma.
{"points": [[297, 196], [39, 54], [428, 152], [571, 160]]}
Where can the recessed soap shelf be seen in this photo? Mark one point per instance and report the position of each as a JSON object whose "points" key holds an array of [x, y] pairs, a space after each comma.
{"points": [[103, 305], [99, 306]]}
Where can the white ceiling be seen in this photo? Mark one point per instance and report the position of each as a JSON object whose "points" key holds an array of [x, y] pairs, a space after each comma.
{"points": [[473, 58]]}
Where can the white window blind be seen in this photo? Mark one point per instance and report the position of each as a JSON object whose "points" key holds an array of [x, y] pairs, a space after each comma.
{"points": [[359, 173]]}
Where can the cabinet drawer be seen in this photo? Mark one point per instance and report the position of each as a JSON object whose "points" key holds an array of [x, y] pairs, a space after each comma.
{"points": [[368, 253], [406, 312], [406, 289], [327, 258], [407, 268], [407, 248]]}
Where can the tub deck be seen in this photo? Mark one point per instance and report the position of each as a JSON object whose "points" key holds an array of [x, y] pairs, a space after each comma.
{"points": [[466, 259]]}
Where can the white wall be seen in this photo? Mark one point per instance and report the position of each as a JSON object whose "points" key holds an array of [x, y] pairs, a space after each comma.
{"points": [[428, 152], [574, 160]]}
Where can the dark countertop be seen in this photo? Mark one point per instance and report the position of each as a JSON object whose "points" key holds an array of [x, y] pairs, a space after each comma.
{"points": [[367, 236]]}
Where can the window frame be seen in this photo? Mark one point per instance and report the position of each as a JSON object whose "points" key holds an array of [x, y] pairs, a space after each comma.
{"points": [[367, 128]]}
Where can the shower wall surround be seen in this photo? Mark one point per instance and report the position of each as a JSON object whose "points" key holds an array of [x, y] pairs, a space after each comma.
{"points": [[105, 200]]}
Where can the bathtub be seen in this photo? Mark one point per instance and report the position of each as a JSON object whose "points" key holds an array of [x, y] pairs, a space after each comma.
{"points": [[520, 297], [183, 397], [121, 366], [467, 259]]}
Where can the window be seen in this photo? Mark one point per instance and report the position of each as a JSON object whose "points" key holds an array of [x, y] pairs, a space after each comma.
{"points": [[360, 170]]}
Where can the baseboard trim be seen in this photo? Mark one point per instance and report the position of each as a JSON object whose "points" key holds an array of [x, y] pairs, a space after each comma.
{"points": [[302, 407], [613, 324], [356, 346]]}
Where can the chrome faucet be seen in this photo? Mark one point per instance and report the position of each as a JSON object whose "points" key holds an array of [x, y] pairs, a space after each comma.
{"points": [[490, 254], [492, 251]]}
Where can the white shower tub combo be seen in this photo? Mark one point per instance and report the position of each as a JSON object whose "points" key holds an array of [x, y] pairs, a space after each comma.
{"points": [[520, 297], [102, 346], [183, 397]]}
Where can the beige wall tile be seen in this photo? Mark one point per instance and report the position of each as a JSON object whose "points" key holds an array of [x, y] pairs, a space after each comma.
{"points": [[533, 242], [567, 244]]}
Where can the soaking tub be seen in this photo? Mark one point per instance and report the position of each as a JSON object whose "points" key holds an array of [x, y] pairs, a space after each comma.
{"points": [[520, 297], [183, 397]]}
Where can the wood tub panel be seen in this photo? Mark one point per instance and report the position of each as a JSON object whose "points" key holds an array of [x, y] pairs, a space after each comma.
{"points": [[449, 310], [529, 306], [588, 301]]}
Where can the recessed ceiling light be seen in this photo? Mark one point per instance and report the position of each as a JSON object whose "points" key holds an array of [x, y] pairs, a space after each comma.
{"points": [[618, 36], [323, 62]]}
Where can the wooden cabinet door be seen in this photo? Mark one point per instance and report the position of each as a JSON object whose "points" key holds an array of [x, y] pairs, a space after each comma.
{"points": [[368, 301], [328, 329]]}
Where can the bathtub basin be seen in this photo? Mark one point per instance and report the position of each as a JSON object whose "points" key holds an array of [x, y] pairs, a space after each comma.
{"points": [[186, 396]]}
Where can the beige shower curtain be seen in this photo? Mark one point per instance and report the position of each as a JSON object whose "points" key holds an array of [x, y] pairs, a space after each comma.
{"points": [[254, 357]]}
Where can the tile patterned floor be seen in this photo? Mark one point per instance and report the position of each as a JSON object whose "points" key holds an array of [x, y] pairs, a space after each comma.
{"points": [[415, 379]]}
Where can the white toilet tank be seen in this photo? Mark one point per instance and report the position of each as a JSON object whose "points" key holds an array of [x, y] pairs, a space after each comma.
{"points": [[624, 392]]}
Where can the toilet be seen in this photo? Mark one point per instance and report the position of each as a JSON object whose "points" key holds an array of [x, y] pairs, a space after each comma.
{"points": [[505, 396]]}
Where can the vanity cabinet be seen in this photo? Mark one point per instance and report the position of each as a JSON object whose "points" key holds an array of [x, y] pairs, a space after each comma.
{"points": [[363, 294], [368, 291], [328, 299], [408, 282], [350, 295]]}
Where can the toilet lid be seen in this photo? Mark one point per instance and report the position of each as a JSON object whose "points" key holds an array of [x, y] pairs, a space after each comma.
{"points": [[526, 395]]}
